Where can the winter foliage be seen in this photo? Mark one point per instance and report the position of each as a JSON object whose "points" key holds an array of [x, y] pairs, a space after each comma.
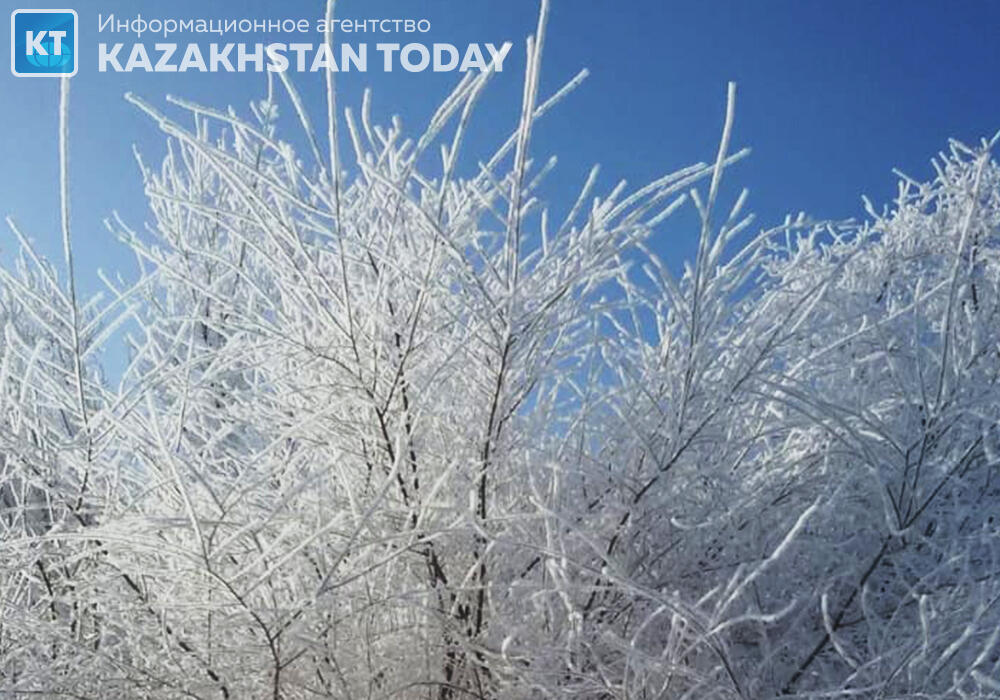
{"points": [[388, 430]]}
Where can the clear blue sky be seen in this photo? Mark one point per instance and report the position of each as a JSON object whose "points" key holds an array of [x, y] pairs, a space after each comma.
{"points": [[833, 95]]}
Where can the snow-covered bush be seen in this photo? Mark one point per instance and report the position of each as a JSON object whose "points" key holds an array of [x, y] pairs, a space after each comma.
{"points": [[388, 430]]}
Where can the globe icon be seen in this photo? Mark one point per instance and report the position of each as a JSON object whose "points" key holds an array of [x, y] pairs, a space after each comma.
{"points": [[52, 60]]}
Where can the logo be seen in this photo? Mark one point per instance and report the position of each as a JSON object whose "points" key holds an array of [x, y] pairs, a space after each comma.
{"points": [[43, 43]]}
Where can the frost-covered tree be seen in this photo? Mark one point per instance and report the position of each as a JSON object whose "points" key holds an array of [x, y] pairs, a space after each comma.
{"points": [[391, 429]]}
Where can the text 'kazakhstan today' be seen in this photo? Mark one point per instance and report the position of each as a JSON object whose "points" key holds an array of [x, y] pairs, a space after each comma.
{"points": [[300, 57]]}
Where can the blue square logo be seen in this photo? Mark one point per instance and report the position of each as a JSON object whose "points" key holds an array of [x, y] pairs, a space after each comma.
{"points": [[43, 43]]}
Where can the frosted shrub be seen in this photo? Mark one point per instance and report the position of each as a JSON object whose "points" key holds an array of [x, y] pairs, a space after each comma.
{"points": [[393, 430]]}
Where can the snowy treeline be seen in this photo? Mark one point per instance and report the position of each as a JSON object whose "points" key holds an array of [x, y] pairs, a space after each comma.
{"points": [[391, 430]]}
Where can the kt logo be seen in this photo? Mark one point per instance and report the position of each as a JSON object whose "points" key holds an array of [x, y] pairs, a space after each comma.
{"points": [[43, 43]]}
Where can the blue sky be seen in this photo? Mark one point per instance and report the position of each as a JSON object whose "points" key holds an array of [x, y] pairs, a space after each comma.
{"points": [[832, 96]]}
